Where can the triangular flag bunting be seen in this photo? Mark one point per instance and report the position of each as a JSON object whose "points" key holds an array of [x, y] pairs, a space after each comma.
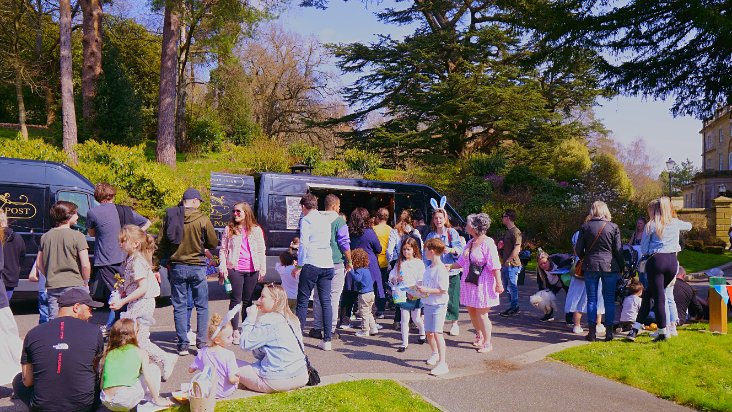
{"points": [[722, 290]]}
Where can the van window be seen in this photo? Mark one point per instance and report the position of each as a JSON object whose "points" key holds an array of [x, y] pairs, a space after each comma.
{"points": [[81, 200]]}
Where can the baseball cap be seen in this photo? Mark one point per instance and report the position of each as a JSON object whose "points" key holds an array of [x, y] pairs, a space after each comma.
{"points": [[192, 193], [73, 296]]}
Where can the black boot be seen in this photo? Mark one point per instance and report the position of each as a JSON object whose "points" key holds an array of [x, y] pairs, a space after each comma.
{"points": [[592, 336], [660, 337], [568, 318], [609, 334], [632, 335]]}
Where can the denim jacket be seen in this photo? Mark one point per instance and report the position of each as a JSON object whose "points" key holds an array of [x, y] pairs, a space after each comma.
{"points": [[274, 345], [451, 238], [669, 241]]}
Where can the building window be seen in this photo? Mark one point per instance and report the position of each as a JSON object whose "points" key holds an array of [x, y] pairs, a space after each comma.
{"points": [[729, 161], [709, 142], [721, 162], [709, 164], [691, 199], [721, 136]]}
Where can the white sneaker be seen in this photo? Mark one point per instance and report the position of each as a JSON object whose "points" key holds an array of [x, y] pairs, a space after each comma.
{"points": [[191, 338], [325, 345], [672, 330], [168, 367], [374, 331], [432, 360], [600, 329], [379, 327], [362, 334], [440, 369], [454, 331], [346, 326], [578, 329]]}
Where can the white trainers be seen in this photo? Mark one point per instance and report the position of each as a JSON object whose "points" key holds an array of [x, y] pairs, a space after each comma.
{"points": [[346, 326], [325, 345], [379, 327], [191, 338], [432, 360], [454, 331], [168, 366], [672, 330], [578, 329], [600, 329], [362, 334], [440, 369], [374, 331]]}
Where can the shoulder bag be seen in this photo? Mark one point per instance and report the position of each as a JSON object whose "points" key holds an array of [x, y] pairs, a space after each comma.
{"points": [[578, 271], [313, 375], [475, 270]]}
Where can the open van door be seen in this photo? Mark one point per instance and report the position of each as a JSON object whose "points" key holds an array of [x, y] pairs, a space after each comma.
{"points": [[226, 191]]}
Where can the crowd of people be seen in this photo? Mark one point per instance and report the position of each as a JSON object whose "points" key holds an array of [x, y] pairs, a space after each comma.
{"points": [[424, 271]]}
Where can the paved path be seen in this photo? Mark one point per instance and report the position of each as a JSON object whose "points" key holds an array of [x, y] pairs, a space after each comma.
{"points": [[514, 376]]}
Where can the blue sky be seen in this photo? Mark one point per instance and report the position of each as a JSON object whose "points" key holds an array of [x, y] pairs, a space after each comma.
{"points": [[629, 118]]}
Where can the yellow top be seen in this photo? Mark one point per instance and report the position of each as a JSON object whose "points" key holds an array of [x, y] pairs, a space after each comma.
{"points": [[382, 232]]}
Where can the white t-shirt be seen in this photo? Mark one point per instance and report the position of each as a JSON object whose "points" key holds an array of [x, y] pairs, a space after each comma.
{"points": [[289, 283], [411, 271], [436, 277], [631, 306]]}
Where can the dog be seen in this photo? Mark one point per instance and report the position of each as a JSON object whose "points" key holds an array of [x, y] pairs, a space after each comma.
{"points": [[545, 301]]}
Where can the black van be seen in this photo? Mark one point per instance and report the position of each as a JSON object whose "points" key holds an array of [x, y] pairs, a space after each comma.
{"points": [[276, 197], [28, 188]]}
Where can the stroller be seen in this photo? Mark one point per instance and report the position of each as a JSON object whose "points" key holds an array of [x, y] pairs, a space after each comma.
{"points": [[631, 256]]}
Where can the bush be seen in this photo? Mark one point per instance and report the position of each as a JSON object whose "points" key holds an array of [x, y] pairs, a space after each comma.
{"points": [[330, 168], [205, 134], [306, 154], [717, 250], [262, 155], [485, 164], [362, 161], [697, 245], [35, 149]]}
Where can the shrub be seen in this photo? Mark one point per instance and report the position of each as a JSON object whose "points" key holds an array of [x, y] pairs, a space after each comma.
{"points": [[697, 245], [485, 164], [205, 134], [262, 155], [361, 161], [717, 250], [305, 153], [34, 149], [330, 168]]}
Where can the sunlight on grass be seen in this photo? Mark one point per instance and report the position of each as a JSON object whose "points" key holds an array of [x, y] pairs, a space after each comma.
{"points": [[694, 261], [363, 395], [693, 369]]}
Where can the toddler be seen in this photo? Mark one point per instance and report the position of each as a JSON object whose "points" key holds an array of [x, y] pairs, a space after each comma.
{"points": [[364, 286], [631, 306], [435, 284], [220, 358], [127, 377], [408, 273], [289, 282]]}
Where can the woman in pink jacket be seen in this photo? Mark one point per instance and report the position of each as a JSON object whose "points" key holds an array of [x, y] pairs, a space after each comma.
{"points": [[242, 259]]}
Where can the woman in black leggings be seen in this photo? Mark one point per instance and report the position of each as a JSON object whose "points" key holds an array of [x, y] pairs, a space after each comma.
{"points": [[660, 242]]}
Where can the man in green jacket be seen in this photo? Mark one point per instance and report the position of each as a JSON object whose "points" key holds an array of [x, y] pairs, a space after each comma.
{"points": [[186, 234]]}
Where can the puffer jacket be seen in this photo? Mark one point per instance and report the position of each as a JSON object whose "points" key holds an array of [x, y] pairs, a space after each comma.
{"points": [[231, 248]]}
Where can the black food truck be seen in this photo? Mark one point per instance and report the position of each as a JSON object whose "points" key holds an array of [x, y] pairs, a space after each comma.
{"points": [[275, 198]]}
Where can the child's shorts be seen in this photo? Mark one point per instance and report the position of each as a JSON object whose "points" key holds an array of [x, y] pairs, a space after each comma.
{"points": [[126, 398], [434, 317]]}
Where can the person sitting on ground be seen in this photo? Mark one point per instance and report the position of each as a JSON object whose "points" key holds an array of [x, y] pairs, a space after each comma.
{"points": [[284, 268], [60, 358], [138, 292], [127, 375], [221, 359], [273, 334], [361, 278], [688, 305], [631, 305], [408, 272], [546, 266], [10, 343]]}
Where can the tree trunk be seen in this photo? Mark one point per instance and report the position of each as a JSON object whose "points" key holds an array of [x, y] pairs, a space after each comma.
{"points": [[67, 85], [181, 131], [50, 106], [21, 104], [92, 67], [168, 83]]}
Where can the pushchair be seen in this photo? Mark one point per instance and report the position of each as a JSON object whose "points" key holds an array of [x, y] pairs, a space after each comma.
{"points": [[631, 256]]}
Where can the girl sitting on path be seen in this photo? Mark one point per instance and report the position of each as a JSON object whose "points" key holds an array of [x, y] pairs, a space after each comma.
{"points": [[408, 272], [273, 334], [220, 358], [127, 377], [138, 292], [435, 285]]}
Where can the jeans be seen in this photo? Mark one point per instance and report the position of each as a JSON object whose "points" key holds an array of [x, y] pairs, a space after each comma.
{"points": [[242, 290], [381, 302], [183, 277], [53, 295], [336, 289], [9, 292], [311, 277], [609, 283], [672, 312], [509, 276], [44, 310]]}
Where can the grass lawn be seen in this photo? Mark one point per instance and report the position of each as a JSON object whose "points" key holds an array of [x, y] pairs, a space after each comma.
{"points": [[693, 369], [363, 395], [694, 261], [33, 132]]}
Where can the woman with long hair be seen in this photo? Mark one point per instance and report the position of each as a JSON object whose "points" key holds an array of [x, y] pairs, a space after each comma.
{"points": [[403, 228], [600, 248], [364, 237], [242, 259], [139, 290], [441, 229], [659, 246], [273, 334], [126, 374]]}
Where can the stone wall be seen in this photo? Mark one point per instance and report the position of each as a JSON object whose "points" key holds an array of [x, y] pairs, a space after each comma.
{"points": [[698, 217]]}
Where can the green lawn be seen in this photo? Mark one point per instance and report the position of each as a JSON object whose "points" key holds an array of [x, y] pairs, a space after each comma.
{"points": [[694, 261], [363, 395], [33, 132], [693, 369]]}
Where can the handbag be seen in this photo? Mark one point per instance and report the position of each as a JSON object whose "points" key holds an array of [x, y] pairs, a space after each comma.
{"points": [[578, 271], [474, 270], [313, 375]]}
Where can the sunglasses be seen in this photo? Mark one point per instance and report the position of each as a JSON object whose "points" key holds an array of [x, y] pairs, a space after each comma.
{"points": [[238, 212]]}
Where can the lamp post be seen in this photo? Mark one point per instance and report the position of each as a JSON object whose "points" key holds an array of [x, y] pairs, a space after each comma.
{"points": [[670, 166], [722, 189]]}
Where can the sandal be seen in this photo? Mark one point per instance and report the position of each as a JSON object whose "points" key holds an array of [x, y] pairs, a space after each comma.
{"points": [[485, 348], [478, 341]]}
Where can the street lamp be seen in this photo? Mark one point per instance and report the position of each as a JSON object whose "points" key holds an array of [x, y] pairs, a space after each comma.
{"points": [[670, 166], [722, 189]]}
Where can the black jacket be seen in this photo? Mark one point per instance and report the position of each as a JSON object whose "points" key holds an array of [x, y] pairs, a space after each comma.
{"points": [[606, 254], [13, 254]]}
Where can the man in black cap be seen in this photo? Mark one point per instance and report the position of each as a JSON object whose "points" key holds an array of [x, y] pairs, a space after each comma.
{"points": [[186, 233], [60, 358]]}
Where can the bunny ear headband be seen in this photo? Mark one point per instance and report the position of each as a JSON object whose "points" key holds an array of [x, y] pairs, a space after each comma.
{"points": [[229, 316], [443, 202]]}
